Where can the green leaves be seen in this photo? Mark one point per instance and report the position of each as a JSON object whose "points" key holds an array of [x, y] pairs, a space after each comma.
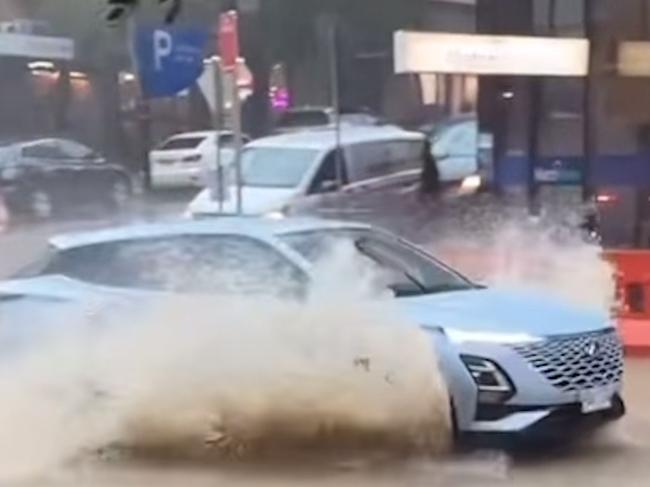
{"points": [[119, 10]]}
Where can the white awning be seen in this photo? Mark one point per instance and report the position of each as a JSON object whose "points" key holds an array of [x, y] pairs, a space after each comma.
{"points": [[419, 52], [31, 46]]}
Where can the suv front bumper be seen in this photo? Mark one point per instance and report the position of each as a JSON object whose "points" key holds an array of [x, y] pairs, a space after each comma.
{"points": [[543, 420], [536, 405]]}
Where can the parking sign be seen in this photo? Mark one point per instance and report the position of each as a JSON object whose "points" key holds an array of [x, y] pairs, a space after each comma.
{"points": [[169, 59]]}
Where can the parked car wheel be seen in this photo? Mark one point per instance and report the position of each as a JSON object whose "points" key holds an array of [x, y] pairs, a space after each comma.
{"points": [[41, 205]]}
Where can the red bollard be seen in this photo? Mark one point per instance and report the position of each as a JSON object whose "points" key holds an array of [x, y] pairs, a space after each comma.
{"points": [[633, 290]]}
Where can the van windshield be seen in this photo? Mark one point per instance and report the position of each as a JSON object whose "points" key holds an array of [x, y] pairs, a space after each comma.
{"points": [[276, 167]]}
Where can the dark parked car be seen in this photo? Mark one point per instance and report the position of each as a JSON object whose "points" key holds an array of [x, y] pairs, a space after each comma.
{"points": [[44, 176]]}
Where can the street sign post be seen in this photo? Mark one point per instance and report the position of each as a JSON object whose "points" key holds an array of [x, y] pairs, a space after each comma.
{"points": [[229, 52], [211, 84], [168, 60]]}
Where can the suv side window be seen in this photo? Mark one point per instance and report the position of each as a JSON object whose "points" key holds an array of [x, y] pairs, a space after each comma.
{"points": [[223, 264], [328, 172]]}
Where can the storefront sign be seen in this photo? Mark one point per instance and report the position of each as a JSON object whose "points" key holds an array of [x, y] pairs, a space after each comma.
{"points": [[42, 47], [417, 52]]}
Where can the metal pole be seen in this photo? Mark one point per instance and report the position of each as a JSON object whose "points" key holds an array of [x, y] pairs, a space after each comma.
{"points": [[143, 111], [217, 123], [237, 129], [534, 106], [588, 121], [336, 102]]}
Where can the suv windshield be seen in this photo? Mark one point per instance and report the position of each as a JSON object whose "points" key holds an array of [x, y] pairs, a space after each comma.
{"points": [[276, 167], [402, 268]]}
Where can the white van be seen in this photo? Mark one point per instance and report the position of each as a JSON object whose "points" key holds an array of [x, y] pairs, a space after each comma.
{"points": [[283, 171]]}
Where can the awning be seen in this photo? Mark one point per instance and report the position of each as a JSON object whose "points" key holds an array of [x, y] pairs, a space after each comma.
{"points": [[421, 52], [31, 46]]}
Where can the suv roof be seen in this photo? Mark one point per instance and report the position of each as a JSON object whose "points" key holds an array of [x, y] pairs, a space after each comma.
{"points": [[251, 226]]}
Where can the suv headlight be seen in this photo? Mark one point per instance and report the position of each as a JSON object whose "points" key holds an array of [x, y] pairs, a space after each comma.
{"points": [[494, 385]]}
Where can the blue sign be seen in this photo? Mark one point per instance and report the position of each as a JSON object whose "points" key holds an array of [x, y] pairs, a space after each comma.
{"points": [[169, 59]]}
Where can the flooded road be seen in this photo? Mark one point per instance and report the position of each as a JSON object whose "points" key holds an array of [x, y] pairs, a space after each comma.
{"points": [[617, 456]]}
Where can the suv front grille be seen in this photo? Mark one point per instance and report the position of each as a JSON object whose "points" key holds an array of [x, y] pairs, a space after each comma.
{"points": [[577, 362]]}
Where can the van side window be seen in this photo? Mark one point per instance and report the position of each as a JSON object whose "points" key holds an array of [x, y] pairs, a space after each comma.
{"points": [[406, 155], [325, 179], [368, 160], [380, 159]]}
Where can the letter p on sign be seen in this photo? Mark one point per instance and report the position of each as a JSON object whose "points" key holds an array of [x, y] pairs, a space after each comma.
{"points": [[162, 47]]}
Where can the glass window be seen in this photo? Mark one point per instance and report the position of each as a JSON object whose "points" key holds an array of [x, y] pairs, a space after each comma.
{"points": [[74, 150], [403, 269], [181, 143], [369, 160], [406, 155], [197, 263], [359, 119], [305, 118], [276, 167], [43, 150], [379, 159], [457, 139], [327, 177]]}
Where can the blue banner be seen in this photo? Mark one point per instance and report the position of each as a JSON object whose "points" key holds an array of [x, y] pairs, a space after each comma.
{"points": [[169, 59]]}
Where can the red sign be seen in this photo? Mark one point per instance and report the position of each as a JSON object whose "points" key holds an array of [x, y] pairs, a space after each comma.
{"points": [[229, 39]]}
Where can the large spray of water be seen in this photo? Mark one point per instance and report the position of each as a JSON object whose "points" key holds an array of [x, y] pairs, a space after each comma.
{"points": [[225, 374]]}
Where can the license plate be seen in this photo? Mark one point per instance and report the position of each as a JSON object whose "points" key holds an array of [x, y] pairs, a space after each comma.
{"points": [[166, 161], [594, 400]]}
